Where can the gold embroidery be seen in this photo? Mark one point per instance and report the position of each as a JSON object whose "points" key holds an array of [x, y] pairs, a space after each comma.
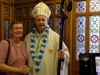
{"points": [[50, 50]]}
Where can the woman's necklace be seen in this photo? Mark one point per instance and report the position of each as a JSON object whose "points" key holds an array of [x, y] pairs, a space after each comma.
{"points": [[35, 57]]}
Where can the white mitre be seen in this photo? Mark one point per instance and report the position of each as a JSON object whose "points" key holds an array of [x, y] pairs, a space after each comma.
{"points": [[41, 9]]}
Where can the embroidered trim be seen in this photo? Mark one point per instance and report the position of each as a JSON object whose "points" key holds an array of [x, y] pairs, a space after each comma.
{"points": [[38, 57]]}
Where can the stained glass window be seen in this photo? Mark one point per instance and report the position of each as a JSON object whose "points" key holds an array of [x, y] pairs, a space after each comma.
{"points": [[32, 23], [81, 6], [51, 7], [57, 9], [80, 35], [94, 5], [26, 26], [7, 11], [94, 34], [6, 29], [18, 12], [58, 23], [50, 21], [26, 11], [93, 24]]}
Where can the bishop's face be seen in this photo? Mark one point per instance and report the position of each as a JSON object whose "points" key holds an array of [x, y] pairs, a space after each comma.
{"points": [[40, 22]]}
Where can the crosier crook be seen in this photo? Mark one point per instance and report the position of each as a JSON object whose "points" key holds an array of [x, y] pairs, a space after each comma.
{"points": [[63, 18]]}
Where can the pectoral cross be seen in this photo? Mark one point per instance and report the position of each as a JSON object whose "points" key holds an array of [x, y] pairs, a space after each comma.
{"points": [[37, 47]]}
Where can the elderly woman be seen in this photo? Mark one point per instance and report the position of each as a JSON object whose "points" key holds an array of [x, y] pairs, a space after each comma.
{"points": [[43, 45], [17, 55]]}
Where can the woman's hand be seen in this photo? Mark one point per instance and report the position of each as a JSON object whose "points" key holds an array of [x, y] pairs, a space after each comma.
{"points": [[23, 70]]}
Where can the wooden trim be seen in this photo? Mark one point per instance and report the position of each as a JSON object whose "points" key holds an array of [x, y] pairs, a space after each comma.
{"points": [[74, 39], [24, 2], [2, 21], [87, 29], [6, 1], [79, 0]]}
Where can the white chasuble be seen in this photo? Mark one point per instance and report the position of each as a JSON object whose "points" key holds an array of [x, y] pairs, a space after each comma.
{"points": [[48, 64]]}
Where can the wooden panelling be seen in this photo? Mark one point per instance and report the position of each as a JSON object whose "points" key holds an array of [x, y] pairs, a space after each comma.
{"points": [[24, 1], [7, 1], [0, 23], [6, 18], [18, 2]]}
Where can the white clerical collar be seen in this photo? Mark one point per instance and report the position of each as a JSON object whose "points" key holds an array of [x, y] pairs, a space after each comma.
{"points": [[38, 34]]}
